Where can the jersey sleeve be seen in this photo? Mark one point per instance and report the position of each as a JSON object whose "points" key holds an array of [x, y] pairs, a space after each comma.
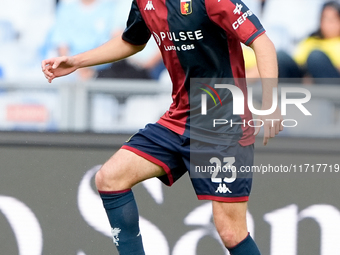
{"points": [[136, 31], [235, 18]]}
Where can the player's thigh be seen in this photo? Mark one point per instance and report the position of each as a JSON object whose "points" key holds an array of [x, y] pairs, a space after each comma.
{"points": [[230, 221], [125, 169]]}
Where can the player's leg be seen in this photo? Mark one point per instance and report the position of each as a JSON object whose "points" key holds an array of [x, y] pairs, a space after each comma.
{"points": [[227, 187], [125, 169], [114, 182], [149, 153], [231, 224]]}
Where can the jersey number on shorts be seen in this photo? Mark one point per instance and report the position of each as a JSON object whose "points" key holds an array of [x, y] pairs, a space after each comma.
{"points": [[227, 168]]}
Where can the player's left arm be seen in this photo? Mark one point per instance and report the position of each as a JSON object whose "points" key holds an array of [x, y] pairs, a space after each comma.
{"points": [[267, 65]]}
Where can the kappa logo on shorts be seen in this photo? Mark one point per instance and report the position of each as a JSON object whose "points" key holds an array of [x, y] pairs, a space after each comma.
{"points": [[222, 188]]}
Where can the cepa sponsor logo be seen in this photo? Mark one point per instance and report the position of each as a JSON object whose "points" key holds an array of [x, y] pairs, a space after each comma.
{"points": [[242, 19], [238, 9]]}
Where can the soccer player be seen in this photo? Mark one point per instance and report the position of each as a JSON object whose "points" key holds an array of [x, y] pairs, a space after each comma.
{"points": [[197, 39]]}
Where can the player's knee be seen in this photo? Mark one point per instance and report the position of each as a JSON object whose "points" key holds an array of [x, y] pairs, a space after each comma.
{"points": [[99, 180], [229, 237], [108, 180]]}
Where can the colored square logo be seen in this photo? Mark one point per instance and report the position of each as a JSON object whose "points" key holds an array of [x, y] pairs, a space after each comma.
{"points": [[186, 7]]}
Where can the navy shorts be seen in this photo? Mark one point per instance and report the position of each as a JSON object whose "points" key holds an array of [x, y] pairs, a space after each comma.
{"points": [[217, 172]]}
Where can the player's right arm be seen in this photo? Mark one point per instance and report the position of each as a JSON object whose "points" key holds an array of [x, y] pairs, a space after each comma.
{"points": [[114, 50]]}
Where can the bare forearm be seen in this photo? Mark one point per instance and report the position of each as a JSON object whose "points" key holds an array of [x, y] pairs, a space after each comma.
{"points": [[267, 66], [114, 50], [266, 57]]}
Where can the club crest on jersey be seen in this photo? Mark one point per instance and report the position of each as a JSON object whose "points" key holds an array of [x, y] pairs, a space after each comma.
{"points": [[186, 7]]}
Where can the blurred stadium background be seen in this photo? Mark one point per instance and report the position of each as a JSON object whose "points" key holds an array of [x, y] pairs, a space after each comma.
{"points": [[54, 136]]}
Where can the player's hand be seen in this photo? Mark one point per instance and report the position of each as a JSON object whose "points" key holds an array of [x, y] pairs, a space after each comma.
{"points": [[272, 125], [56, 67]]}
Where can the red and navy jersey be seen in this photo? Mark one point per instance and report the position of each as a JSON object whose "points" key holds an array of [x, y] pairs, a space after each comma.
{"points": [[198, 39]]}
